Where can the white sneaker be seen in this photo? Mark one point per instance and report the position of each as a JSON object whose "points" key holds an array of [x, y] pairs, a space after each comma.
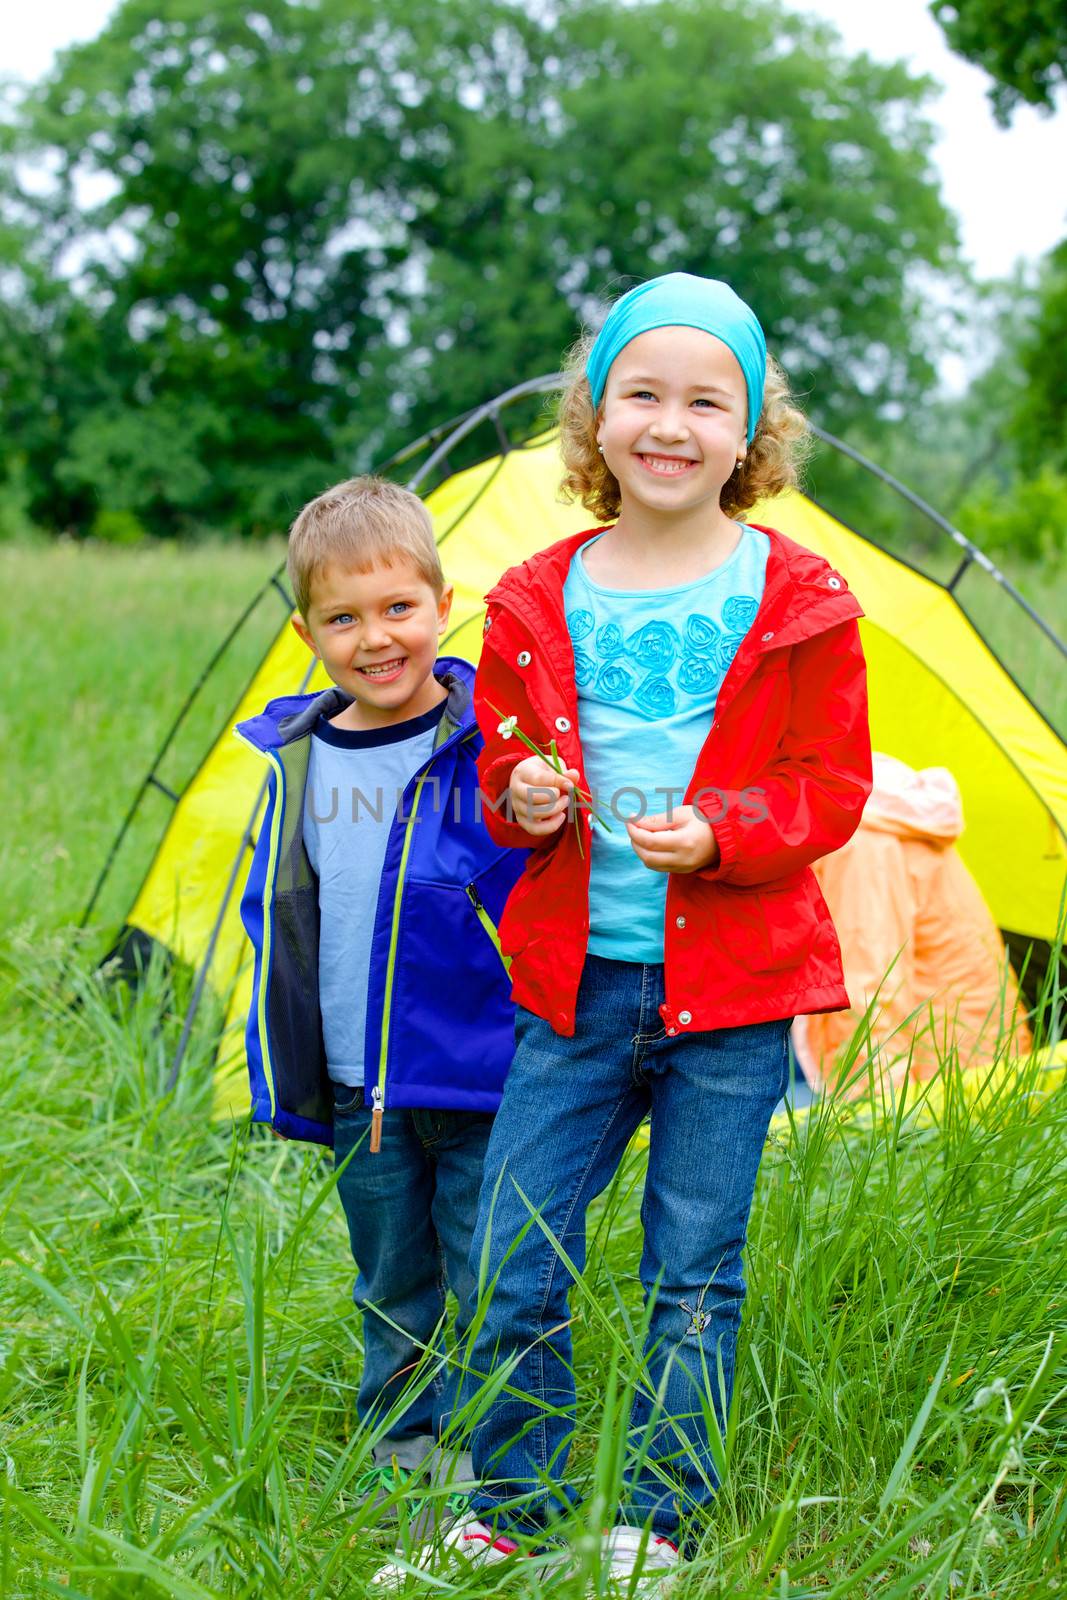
{"points": [[632, 1551], [464, 1539]]}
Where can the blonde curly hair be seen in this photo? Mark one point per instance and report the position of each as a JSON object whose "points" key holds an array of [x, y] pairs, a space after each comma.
{"points": [[774, 461]]}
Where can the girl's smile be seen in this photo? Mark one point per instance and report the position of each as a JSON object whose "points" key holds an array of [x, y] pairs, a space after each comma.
{"points": [[672, 427], [666, 466]]}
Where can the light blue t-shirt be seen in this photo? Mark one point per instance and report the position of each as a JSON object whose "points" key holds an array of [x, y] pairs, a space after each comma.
{"points": [[648, 665], [354, 784]]}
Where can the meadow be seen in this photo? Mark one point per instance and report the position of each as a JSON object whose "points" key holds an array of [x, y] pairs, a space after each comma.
{"points": [[178, 1352]]}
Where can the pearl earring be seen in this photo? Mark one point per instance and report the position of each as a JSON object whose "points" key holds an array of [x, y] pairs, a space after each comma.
{"points": [[600, 447]]}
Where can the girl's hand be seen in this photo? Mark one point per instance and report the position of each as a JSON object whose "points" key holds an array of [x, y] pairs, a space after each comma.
{"points": [[679, 842], [539, 795]]}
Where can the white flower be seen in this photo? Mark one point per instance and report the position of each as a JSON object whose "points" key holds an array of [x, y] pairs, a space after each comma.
{"points": [[997, 1389], [507, 727]]}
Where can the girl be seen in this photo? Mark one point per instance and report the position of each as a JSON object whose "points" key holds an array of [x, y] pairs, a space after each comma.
{"points": [[704, 684]]}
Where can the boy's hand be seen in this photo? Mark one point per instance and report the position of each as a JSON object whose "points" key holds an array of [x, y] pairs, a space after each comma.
{"points": [[540, 795], [679, 842]]}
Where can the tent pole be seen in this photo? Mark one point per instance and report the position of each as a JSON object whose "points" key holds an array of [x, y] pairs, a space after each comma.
{"points": [[247, 842], [958, 574], [116, 843], [150, 776], [971, 551], [474, 419]]}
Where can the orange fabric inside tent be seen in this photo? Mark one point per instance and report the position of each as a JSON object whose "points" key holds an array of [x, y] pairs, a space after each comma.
{"points": [[916, 936]]}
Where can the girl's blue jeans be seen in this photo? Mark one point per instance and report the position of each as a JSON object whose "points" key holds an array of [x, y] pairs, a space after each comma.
{"points": [[410, 1210], [570, 1107]]}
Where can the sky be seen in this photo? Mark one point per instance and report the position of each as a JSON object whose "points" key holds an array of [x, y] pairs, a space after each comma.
{"points": [[1007, 186]]}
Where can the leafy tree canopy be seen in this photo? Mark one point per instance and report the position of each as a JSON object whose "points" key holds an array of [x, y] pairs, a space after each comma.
{"points": [[284, 237], [1039, 423], [1022, 44]]}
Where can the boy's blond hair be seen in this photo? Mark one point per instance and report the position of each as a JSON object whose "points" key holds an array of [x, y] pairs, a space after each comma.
{"points": [[774, 460], [363, 523]]}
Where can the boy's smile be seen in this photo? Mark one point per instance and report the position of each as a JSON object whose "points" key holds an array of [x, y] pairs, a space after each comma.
{"points": [[385, 671], [376, 633]]}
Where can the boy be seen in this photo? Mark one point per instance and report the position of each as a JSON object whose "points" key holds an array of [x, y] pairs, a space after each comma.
{"points": [[381, 1018]]}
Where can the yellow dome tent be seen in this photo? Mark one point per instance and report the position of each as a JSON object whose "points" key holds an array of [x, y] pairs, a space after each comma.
{"points": [[938, 696]]}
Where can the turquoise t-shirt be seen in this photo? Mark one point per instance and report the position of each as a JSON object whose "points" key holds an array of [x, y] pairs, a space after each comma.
{"points": [[648, 664]]}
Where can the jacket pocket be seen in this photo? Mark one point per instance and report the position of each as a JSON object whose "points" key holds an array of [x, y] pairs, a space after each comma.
{"points": [[488, 925], [768, 929], [452, 1020], [514, 925], [789, 925]]}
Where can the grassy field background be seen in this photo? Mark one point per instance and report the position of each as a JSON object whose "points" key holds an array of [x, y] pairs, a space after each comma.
{"points": [[107, 645], [178, 1354]]}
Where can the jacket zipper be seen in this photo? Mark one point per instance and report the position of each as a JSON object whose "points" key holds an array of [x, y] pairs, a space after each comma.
{"points": [[377, 1095], [378, 1091], [488, 924], [376, 1113]]}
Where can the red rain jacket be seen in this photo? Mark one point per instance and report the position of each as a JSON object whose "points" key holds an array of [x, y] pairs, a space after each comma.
{"points": [[749, 939]]}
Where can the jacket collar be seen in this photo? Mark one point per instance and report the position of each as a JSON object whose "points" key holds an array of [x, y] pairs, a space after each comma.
{"points": [[802, 594], [292, 717]]}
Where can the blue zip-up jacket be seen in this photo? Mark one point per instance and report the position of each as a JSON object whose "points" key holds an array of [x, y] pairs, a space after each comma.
{"points": [[439, 1012]]}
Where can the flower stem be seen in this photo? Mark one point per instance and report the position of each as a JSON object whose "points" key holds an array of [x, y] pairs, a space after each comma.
{"points": [[551, 758]]}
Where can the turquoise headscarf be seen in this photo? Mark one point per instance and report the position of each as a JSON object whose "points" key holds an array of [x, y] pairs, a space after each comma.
{"points": [[680, 300]]}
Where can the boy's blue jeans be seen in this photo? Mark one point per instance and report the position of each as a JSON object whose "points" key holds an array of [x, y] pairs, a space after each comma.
{"points": [[570, 1107], [411, 1210]]}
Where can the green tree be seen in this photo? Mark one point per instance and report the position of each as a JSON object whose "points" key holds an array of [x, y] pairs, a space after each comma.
{"points": [[1039, 422], [49, 339], [1023, 47], [708, 138], [1022, 44], [994, 458], [1025, 520], [319, 227]]}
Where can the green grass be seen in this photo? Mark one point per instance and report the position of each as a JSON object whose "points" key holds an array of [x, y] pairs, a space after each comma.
{"points": [[180, 1357], [178, 1353], [108, 643]]}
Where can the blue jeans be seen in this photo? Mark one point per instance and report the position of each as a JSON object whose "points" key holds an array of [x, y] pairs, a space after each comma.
{"points": [[411, 1210], [570, 1107]]}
